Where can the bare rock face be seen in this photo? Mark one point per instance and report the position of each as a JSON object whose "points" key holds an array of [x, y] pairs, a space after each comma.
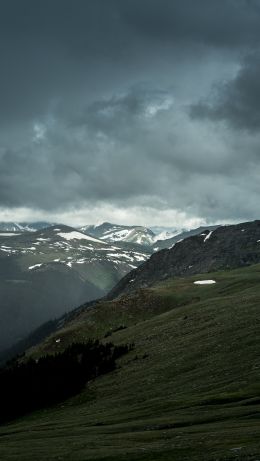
{"points": [[226, 247]]}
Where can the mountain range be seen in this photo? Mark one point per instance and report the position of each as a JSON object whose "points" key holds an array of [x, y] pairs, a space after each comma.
{"points": [[47, 270], [157, 237], [189, 389], [23, 226], [55, 269], [46, 273], [106, 231]]}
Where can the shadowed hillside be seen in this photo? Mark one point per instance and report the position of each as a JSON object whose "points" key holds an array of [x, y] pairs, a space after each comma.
{"points": [[188, 391]]}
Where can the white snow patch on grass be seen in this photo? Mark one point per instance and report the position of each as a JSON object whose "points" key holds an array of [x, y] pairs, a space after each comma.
{"points": [[204, 282]]}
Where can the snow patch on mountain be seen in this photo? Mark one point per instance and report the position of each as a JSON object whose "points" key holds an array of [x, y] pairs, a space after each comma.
{"points": [[74, 235], [8, 234], [208, 236], [5, 250], [140, 236], [166, 234], [119, 233], [33, 267]]}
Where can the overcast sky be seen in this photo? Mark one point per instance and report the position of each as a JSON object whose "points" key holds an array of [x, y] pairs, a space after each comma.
{"points": [[130, 111]]}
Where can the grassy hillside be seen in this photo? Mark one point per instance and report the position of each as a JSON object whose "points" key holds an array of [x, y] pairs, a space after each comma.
{"points": [[190, 390]]}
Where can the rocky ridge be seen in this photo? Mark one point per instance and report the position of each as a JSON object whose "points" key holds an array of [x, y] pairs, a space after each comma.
{"points": [[226, 247]]}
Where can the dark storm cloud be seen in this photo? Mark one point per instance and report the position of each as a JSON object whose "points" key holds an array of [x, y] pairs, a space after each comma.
{"points": [[236, 101], [48, 48], [223, 23], [48, 51], [99, 154], [131, 148], [95, 96]]}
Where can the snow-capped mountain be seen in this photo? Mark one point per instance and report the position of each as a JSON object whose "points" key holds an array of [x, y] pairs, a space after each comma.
{"points": [[118, 233], [23, 227], [155, 237], [48, 272], [164, 233]]}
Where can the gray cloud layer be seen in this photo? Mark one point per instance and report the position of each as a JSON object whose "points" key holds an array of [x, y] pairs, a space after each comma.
{"points": [[236, 101], [132, 104]]}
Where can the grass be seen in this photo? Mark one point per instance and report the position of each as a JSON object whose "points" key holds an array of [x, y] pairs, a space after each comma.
{"points": [[189, 390]]}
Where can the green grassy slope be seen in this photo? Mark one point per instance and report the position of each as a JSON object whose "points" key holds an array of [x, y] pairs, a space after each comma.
{"points": [[189, 391]]}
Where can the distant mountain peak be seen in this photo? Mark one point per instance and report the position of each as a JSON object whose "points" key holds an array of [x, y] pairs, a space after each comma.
{"points": [[113, 233]]}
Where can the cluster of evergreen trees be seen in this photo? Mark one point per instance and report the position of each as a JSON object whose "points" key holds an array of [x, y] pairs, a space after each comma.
{"points": [[36, 384]]}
